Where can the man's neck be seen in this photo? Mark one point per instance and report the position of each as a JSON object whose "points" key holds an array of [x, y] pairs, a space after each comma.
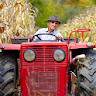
{"points": [[50, 31]]}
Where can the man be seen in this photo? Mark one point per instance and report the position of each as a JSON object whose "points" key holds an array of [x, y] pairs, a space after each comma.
{"points": [[52, 24]]}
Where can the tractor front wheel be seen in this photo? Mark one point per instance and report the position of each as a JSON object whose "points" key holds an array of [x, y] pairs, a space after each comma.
{"points": [[86, 76], [7, 75]]}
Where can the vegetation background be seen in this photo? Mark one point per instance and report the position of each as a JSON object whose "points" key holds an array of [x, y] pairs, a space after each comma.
{"points": [[20, 18], [73, 14], [64, 9]]}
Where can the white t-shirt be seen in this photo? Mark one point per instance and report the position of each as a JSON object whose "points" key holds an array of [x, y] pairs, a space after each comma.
{"points": [[46, 37]]}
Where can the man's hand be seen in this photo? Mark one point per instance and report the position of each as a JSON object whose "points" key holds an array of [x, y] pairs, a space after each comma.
{"points": [[58, 37], [31, 38]]}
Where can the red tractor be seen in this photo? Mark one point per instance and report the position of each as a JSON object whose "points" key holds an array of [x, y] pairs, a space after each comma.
{"points": [[46, 67]]}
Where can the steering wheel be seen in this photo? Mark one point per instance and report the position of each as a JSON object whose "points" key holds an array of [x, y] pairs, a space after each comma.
{"points": [[37, 35]]}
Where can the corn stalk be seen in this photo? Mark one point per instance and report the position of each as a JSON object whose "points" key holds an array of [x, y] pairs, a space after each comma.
{"points": [[17, 18], [87, 20]]}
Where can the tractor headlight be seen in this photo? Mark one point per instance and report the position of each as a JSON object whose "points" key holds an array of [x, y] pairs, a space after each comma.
{"points": [[29, 55], [90, 44], [58, 55]]}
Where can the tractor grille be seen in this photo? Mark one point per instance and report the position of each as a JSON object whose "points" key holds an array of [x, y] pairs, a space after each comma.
{"points": [[44, 76], [43, 82], [44, 54]]}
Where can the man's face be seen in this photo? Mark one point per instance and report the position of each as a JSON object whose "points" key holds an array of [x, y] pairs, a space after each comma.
{"points": [[52, 25]]}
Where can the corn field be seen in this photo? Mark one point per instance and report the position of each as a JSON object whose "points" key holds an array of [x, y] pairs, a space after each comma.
{"points": [[87, 20], [17, 19]]}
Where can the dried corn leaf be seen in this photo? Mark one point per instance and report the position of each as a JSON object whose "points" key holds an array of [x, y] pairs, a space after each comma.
{"points": [[87, 20], [17, 19]]}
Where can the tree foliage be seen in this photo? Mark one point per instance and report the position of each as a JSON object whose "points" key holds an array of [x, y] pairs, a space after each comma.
{"points": [[64, 9]]}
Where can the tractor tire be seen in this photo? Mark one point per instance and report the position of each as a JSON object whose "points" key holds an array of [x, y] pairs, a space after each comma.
{"points": [[7, 75], [86, 76]]}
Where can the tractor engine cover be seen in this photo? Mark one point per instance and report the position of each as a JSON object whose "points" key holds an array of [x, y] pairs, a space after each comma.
{"points": [[43, 70]]}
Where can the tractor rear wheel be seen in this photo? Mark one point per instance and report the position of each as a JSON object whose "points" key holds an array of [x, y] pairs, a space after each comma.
{"points": [[86, 76], [7, 75]]}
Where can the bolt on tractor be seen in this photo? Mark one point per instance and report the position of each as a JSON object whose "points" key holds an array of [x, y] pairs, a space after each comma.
{"points": [[47, 68]]}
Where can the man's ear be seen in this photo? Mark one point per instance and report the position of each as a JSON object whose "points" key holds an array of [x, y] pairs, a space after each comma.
{"points": [[47, 23]]}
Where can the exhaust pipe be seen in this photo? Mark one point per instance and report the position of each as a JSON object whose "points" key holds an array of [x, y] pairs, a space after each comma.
{"points": [[74, 62]]}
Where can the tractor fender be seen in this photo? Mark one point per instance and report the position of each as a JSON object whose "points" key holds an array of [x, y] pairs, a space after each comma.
{"points": [[78, 45], [10, 46]]}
